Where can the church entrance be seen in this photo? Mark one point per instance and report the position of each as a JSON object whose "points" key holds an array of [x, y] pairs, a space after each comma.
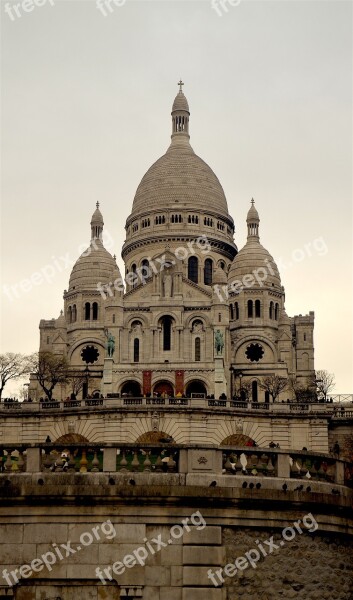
{"points": [[131, 388], [163, 388], [196, 387]]}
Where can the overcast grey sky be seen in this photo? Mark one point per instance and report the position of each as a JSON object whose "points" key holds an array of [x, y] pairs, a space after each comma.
{"points": [[86, 103]]}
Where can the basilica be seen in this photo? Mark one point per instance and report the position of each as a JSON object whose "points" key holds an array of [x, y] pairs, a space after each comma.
{"points": [[191, 316]]}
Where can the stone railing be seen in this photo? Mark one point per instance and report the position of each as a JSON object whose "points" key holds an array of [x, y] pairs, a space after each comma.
{"points": [[335, 410], [309, 467]]}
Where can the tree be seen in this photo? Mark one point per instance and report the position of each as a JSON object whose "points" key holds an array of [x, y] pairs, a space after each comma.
{"points": [[76, 382], [324, 383], [302, 393], [49, 369], [274, 385], [13, 366], [243, 390]]}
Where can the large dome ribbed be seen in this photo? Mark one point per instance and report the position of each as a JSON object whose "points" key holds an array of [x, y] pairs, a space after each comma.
{"points": [[181, 179]]}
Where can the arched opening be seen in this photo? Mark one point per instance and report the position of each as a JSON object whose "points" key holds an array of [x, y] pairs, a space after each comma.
{"points": [[276, 311], [145, 269], [239, 440], [257, 308], [167, 332], [95, 311], [163, 388], [154, 437], [197, 349], [236, 311], [231, 312], [250, 309], [72, 438], [271, 310], [131, 388], [136, 350], [74, 313], [193, 269], [267, 397], [196, 387], [208, 272], [69, 314], [254, 391], [87, 311]]}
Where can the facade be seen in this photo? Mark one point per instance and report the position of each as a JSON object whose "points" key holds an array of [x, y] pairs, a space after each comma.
{"points": [[156, 491], [191, 316]]}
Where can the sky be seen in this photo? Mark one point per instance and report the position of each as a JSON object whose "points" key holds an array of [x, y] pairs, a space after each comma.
{"points": [[85, 110]]}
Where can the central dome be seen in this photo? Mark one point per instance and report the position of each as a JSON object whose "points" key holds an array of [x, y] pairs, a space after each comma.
{"points": [[180, 179]]}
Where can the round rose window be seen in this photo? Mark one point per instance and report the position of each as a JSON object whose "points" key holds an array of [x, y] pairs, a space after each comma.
{"points": [[254, 352]]}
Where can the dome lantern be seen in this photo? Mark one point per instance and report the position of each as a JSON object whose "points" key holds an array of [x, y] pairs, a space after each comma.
{"points": [[180, 114], [253, 221], [97, 224]]}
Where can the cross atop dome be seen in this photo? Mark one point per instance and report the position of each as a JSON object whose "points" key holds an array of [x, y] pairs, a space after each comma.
{"points": [[181, 86], [97, 204]]}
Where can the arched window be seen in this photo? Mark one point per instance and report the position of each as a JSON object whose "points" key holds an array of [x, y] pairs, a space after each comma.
{"points": [[145, 269], [69, 314], [113, 319], [257, 308], [231, 312], [236, 311], [250, 309], [271, 310], [254, 391], [95, 311], [74, 313], [87, 311], [197, 349], [276, 311], [167, 333], [193, 269], [136, 350], [208, 272]]}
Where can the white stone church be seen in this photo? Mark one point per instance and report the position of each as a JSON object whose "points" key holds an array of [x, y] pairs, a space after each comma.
{"points": [[191, 316]]}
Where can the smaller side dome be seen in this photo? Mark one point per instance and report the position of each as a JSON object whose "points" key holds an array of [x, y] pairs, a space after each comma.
{"points": [[219, 277], [254, 258], [96, 265]]}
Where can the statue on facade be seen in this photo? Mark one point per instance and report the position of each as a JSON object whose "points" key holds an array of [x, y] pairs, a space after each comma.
{"points": [[110, 345], [167, 281], [218, 342]]}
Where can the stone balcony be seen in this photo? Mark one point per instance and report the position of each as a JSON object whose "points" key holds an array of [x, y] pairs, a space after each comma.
{"points": [[341, 408]]}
